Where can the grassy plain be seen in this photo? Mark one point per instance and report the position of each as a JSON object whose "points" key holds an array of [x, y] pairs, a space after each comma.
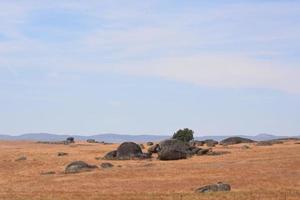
{"points": [[261, 172]]}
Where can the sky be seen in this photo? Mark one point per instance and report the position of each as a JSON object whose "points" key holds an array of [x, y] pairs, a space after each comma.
{"points": [[150, 67]]}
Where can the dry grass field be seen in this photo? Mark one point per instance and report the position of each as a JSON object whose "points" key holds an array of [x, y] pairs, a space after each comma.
{"points": [[261, 172]]}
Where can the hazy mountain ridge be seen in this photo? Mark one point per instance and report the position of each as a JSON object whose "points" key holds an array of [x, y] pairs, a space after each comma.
{"points": [[116, 138]]}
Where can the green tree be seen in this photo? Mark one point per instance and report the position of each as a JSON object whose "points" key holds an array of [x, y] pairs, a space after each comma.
{"points": [[184, 135]]}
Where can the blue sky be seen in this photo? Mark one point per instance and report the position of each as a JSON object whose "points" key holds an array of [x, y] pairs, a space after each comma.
{"points": [[150, 67]]}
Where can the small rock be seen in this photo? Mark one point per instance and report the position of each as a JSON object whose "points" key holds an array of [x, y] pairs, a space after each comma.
{"points": [[78, 166], [153, 148], [48, 173], [70, 140], [217, 153], [197, 143], [194, 150], [91, 141], [214, 188], [62, 154], [211, 143], [106, 165], [203, 152], [112, 155], [149, 143], [21, 158], [245, 147]]}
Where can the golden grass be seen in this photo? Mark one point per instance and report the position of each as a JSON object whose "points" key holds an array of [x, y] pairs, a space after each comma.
{"points": [[271, 172]]}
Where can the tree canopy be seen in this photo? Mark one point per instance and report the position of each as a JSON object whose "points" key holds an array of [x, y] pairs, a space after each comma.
{"points": [[184, 135]]}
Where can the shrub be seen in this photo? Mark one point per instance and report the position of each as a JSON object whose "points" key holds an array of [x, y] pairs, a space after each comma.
{"points": [[184, 135]]}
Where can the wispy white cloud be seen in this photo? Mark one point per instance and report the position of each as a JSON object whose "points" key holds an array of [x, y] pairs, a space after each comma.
{"points": [[213, 46], [222, 71]]}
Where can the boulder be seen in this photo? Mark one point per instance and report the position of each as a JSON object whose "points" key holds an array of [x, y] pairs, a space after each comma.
{"points": [[129, 150], [219, 187], [235, 140], [173, 149], [78, 166]]}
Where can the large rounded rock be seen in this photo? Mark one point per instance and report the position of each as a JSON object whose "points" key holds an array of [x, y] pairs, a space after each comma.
{"points": [[235, 140], [173, 150], [78, 166], [129, 150]]}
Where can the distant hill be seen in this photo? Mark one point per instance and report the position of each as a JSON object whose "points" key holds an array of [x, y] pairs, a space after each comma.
{"points": [[113, 138], [117, 138]]}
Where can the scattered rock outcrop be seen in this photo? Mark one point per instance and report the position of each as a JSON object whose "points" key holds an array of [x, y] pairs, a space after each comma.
{"points": [[219, 187], [235, 140], [69, 140], [78, 166]]}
